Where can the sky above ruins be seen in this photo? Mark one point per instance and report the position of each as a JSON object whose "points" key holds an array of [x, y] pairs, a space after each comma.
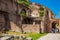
{"points": [[53, 5]]}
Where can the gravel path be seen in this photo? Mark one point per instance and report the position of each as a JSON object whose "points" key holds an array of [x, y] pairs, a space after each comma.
{"points": [[51, 36]]}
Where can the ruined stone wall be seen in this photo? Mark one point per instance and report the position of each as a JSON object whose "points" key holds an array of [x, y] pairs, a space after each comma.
{"points": [[47, 15], [31, 28], [8, 6], [12, 8], [14, 23], [2, 21]]}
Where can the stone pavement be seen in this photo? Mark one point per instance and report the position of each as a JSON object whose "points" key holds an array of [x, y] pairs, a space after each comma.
{"points": [[51, 36]]}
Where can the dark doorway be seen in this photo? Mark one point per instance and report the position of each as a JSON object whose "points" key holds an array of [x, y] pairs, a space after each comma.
{"points": [[27, 21], [54, 25]]}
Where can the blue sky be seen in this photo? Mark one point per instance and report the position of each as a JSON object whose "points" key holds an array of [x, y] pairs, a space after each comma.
{"points": [[53, 5]]}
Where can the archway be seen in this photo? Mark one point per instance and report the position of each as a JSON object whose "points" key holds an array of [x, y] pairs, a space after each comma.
{"points": [[4, 21], [23, 12], [54, 27]]}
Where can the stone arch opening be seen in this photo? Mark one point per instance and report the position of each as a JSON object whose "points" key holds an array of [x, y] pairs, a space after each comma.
{"points": [[4, 21], [23, 12], [54, 27]]}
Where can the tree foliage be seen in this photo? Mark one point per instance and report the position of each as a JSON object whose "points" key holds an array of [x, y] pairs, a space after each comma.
{"points": [[41, 13], [24, 2]]}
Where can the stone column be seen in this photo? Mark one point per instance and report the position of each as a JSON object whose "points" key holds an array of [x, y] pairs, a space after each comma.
{"points": [[42, 26], [49, 14], [43, 21]]}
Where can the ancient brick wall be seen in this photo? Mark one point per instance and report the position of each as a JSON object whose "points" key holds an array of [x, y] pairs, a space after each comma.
{"points": [[8, 6], [31, 28], [14, 23], [11, 8]]}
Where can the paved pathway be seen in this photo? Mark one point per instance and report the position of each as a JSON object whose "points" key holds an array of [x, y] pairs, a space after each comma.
{"points": [[51, 36]]}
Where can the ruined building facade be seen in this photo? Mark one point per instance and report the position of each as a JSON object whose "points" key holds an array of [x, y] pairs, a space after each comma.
{"points": [[10, 18]]}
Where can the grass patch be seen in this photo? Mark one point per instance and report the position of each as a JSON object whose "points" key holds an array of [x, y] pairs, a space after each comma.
{"points": [[35, 36]]}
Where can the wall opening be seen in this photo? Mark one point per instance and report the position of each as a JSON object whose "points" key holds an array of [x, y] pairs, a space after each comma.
{"points": [[4, 21], [27, 21], [54, 25], [54, 28]]}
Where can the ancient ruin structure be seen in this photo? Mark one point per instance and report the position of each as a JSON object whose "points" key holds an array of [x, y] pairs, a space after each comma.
{"points": [[37, 18]]}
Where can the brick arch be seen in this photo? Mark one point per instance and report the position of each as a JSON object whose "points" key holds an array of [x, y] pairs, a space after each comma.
{"points": [[53, 25], [24, 10], [55, 22]]}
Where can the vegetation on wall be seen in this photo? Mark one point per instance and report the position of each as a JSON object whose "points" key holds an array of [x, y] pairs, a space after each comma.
{"points": [[24, 2], [23, 13], [41, 13]]}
